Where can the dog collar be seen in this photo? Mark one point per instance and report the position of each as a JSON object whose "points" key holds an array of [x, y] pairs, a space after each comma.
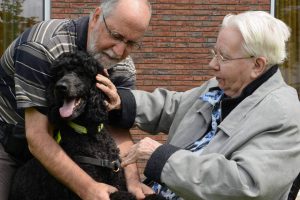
{"points": [[81, 129], [78, 128], [113, 165]]}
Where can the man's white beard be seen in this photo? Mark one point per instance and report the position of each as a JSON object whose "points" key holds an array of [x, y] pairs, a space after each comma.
{"points": [[103, 58]]}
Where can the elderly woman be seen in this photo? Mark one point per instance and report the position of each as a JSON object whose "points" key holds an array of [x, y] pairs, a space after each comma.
{"points": [[235, 137]]}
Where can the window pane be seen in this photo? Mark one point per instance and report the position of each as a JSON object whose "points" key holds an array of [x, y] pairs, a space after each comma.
{"points": [[33, 8], [289, 12], [16, 16]]}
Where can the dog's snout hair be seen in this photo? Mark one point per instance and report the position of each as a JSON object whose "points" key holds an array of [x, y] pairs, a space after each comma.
{"points": [[61, 87], [71, 85]]}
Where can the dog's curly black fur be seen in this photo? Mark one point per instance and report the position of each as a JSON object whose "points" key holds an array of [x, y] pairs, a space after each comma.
{"points": [[73, 96]]}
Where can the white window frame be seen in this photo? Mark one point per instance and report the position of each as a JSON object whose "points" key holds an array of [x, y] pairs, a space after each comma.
{"points": [[272, 8], [47, 9]]}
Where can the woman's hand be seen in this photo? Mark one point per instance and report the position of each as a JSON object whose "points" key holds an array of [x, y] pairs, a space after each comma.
{"points": [[113, 102], [141, 150]]}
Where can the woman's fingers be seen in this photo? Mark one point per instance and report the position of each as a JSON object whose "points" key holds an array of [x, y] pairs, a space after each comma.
{"points": [[141, 150], [130, 157]]}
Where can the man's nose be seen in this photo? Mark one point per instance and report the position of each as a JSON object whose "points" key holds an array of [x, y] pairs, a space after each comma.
{"points": [[120, 49]]}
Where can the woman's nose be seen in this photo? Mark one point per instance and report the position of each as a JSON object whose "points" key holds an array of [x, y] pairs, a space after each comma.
{"points": [[213, 64]]}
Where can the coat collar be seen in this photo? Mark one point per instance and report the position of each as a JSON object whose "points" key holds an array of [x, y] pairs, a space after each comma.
{"points": [[235, 117], [228, 104]]}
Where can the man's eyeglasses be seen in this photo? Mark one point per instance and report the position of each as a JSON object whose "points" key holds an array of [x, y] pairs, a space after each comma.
{"points": [[222, 60], [118, 37]]}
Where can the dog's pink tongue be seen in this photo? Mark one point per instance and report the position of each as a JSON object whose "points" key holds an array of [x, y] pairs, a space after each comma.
{"points": [[67, 109]]}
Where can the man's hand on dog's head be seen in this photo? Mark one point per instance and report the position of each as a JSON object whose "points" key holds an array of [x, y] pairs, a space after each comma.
{"points": [[105, 73], [113, 102]]}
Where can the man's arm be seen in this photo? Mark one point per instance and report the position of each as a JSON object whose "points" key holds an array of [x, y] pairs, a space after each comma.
{"points": [[56, 161], [124, 141]]}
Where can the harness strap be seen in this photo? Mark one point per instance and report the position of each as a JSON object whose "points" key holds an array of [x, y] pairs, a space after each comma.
{"points": [[114, 165]]}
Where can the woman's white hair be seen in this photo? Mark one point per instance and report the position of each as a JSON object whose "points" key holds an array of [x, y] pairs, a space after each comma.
{"points": [[263, 34]]}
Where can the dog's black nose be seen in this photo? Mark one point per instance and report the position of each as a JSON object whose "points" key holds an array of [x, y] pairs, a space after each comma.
{"points": [[61, 87]]}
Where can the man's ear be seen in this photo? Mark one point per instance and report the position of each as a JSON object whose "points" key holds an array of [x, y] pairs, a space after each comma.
{"points": [[260, 66], [96, 15]]}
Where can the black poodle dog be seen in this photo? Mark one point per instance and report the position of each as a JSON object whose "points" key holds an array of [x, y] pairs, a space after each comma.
{"points": [[77, 109]]}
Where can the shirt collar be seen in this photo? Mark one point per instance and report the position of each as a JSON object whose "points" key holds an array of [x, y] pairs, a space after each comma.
{"points": [[81, 29]]}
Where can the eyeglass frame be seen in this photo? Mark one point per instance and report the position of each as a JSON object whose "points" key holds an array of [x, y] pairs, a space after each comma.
{"points": [[221, 59], [118, 37]]}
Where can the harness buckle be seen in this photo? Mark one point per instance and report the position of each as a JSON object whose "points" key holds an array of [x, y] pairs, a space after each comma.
{"points": [[116, 165]]}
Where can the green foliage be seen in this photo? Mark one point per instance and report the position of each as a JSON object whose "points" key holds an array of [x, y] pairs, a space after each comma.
{"points": [[11, 22]]}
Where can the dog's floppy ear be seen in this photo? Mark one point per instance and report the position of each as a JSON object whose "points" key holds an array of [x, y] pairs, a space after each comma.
{"points": [[96, 108], [53, 114]]}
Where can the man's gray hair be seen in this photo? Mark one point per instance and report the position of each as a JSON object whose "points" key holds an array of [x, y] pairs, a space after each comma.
{"points": [[107, 6], [263, 34]]}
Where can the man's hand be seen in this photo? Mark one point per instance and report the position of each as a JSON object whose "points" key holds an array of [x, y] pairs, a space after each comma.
{"points": [[104, 84], [140, 190], [124, 141], [141, 150], [100, 191], [134, 185]]}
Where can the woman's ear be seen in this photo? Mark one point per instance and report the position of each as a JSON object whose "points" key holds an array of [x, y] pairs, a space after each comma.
{"points": [[260, 66]]}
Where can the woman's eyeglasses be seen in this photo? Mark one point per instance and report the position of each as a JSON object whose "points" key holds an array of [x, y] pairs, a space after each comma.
{"points": [[222, 60]]}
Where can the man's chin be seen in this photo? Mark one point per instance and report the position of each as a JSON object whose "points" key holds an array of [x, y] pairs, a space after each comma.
{"points": [[106, 62], [109, 65]]}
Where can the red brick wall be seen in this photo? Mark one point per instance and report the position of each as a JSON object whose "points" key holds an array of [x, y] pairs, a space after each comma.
{"points": [[175, 48]]}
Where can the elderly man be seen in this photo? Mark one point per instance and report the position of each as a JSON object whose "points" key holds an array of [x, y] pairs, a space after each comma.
{"points": [[235, 137], [112, 31]]}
